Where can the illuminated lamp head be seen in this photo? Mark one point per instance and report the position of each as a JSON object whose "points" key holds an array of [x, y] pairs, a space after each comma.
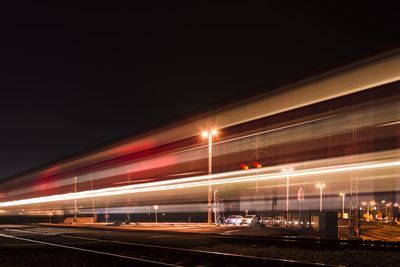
{"points": [[209, 133]]}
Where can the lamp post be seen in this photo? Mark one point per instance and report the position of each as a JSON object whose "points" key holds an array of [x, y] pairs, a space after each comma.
{"points": [[342, 194], [368, 207], [320, 186], [372, 204], [382, 202], [386, 206], [209, 135], [365, 203], [287, 171], [75, 207], [395, 205]]}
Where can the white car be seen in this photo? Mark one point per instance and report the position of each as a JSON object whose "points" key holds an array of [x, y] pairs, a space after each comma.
{"points": [[250, 220], [234, 219]]}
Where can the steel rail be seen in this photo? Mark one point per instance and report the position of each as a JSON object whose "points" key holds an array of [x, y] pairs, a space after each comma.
{"points": [[213, 256]]}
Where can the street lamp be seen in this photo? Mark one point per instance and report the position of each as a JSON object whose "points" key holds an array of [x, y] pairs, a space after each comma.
{"points": [[395, 205], [209, 135], [386, 206], [287, 171], [365, 203], [75, 207], [320, 186], [342, 194], [372, 203]]}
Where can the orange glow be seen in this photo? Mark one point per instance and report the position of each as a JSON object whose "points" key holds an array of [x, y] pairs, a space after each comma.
{"points": [[256, 164], [244, 166], [205, 134]]}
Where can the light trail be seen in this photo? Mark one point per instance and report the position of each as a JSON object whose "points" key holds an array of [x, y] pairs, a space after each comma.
{"points": [[192, 182], [383, 115]]}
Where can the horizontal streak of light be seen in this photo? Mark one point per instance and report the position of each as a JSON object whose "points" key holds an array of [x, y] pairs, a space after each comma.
{"points": [[389, 123], [383, 115], [217, 179]]}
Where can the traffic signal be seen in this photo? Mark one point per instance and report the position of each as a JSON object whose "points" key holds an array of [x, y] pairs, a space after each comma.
{"points": [[244, 166], [256, 164]]}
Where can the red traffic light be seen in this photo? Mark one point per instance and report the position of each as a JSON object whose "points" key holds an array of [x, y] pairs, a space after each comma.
{"points": [[256, 164], [244, 166]]}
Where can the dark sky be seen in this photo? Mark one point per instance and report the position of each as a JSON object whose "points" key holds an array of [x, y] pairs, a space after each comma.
{"points": [[74, 78]]}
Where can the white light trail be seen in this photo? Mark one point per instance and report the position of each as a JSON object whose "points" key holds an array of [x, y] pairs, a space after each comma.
{"points": [[192, 182]]}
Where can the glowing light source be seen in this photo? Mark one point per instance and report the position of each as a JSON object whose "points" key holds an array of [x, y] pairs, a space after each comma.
{"points": [[256, 164], [206, 134], [244, 166]]}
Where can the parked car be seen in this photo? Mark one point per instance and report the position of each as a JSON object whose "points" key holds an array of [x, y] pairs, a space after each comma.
{"points": [[279, 221], [250, 220], [275, 221], [265, 220], [234, 219]]}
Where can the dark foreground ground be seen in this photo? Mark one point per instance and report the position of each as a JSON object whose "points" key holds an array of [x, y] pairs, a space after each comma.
{"points": [[14, 252]]}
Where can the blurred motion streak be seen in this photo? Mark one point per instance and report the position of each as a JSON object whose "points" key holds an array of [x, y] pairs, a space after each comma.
{"points": [[340, 129], [218, 179]]}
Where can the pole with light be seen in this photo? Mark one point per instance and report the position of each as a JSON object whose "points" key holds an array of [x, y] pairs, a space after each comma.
{"points": [[320, 186], [368, 207], [395, 205], [365, 203], [209, 135], [287, 171], [372, 206], [386, 206], [75, 207], [342, 194]]}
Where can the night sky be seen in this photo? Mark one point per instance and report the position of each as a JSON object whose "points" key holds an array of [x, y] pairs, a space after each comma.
{"points": [[75, 78]]}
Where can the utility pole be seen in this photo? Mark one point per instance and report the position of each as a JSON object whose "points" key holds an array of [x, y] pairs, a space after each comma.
{"points": [[354, 207], [75, 207], [91, 188]]}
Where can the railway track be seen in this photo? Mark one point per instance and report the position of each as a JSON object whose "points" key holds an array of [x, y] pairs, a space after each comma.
{"points": [[316, 243], [142, 254], [285, 241]]}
